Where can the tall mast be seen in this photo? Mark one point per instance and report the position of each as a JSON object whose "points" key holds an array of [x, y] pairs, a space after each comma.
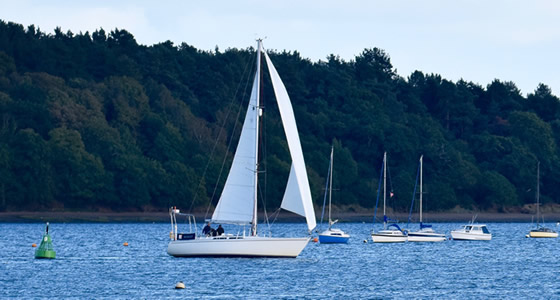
{"points": [[384, 188], [421, 163], [257, 109], [330, 186], [538, 190]]}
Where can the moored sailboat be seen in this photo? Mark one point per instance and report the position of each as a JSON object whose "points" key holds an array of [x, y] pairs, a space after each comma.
{"points": [[426, 233], [391, 233], [332, 235], [540, 231], [238, 201]]}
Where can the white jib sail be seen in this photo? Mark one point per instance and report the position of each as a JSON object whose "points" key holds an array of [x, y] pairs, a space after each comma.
{"points": [[236, 203], [297, 197]]}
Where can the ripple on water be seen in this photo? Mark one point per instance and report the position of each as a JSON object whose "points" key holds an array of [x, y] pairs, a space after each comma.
{"points": [[93, 263]]}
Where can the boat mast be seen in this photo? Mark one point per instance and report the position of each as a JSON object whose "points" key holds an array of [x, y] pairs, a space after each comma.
{"points": [[330, 187], [421, 163], [384, 188], [538, 191], [257, 108]]}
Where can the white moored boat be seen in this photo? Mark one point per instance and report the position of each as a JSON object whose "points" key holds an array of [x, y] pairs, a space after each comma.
{"points": [[238, 201], [426, 233], [391, 233], [472, 232], [541, 231], [331, 235]]}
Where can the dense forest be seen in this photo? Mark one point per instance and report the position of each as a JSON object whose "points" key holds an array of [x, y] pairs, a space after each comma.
{"points": [[96, 121]]}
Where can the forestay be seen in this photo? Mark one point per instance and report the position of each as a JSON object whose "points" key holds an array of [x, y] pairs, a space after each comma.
{"points": [[297, 197]]}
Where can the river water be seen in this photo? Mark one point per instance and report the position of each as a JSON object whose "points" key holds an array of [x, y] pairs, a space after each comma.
{"points": [[93, 263]]}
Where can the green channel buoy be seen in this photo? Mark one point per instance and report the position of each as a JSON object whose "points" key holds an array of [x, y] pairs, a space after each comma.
{"points": [[45, 250]]}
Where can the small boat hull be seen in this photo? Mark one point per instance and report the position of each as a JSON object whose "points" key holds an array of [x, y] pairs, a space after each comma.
{"points": [[543, 234], [333, 237], [462, 236], [472, 232], [232, 246], [425, 237], [389, 236]]}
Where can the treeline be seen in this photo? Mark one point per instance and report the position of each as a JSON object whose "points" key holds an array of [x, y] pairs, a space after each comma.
{"points": [[97, 121]]}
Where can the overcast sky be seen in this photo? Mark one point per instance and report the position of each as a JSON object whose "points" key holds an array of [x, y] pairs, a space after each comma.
{"points": [[478, 41]]}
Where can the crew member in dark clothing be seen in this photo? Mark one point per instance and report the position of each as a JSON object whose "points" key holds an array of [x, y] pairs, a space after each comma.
{"points": [[207, 229], [220, 230]]}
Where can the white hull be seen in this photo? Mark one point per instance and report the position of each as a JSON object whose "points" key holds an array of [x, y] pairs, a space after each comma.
{"points": [[456, 235], [425, 237], [389, 236], [237, 247]]}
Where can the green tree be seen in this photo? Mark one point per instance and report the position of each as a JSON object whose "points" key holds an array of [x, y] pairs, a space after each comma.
{"points": [[79, 176], [496, 191]]}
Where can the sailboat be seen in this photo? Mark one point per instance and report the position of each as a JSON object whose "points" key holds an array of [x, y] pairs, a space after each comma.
{"points": [[391, 233], [541, 231], [426, 233], [238, 201], [332, 235]]}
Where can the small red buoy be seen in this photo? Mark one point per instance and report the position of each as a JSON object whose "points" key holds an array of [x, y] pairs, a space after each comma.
{"points": [[315, 240], [33, 245], [125, 244]]}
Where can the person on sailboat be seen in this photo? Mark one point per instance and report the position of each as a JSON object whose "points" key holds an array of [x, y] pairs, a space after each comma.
{"points": [[220, 230], [207, 230]]}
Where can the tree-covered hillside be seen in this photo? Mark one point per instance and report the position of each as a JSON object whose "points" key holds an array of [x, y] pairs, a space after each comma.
{"points": [[95, 121]]}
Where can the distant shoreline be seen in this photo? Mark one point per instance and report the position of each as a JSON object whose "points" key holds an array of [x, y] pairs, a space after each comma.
{"points": [[163, 217]]}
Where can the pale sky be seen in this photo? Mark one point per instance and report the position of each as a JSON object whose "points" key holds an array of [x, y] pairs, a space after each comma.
{"points": [[477, 40]]}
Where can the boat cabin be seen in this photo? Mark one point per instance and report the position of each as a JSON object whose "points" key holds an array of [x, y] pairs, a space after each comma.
{"points": [[476, 229]]}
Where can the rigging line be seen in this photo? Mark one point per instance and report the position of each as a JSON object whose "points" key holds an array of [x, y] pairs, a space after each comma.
{"points": [[223, 162], [413, 195], [276, 213], [264, 209], [239, 109], [263, 140], [392, 195], [378, 192], [263, 182], [325, 196], [216, 142], [390, 180]]}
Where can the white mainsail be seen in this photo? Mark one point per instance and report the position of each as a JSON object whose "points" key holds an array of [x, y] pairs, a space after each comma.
{"points": [[297, 197], [236, 203]]}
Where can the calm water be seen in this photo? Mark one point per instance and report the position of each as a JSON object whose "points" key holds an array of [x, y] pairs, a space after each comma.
{"points": [[93, 263]]}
